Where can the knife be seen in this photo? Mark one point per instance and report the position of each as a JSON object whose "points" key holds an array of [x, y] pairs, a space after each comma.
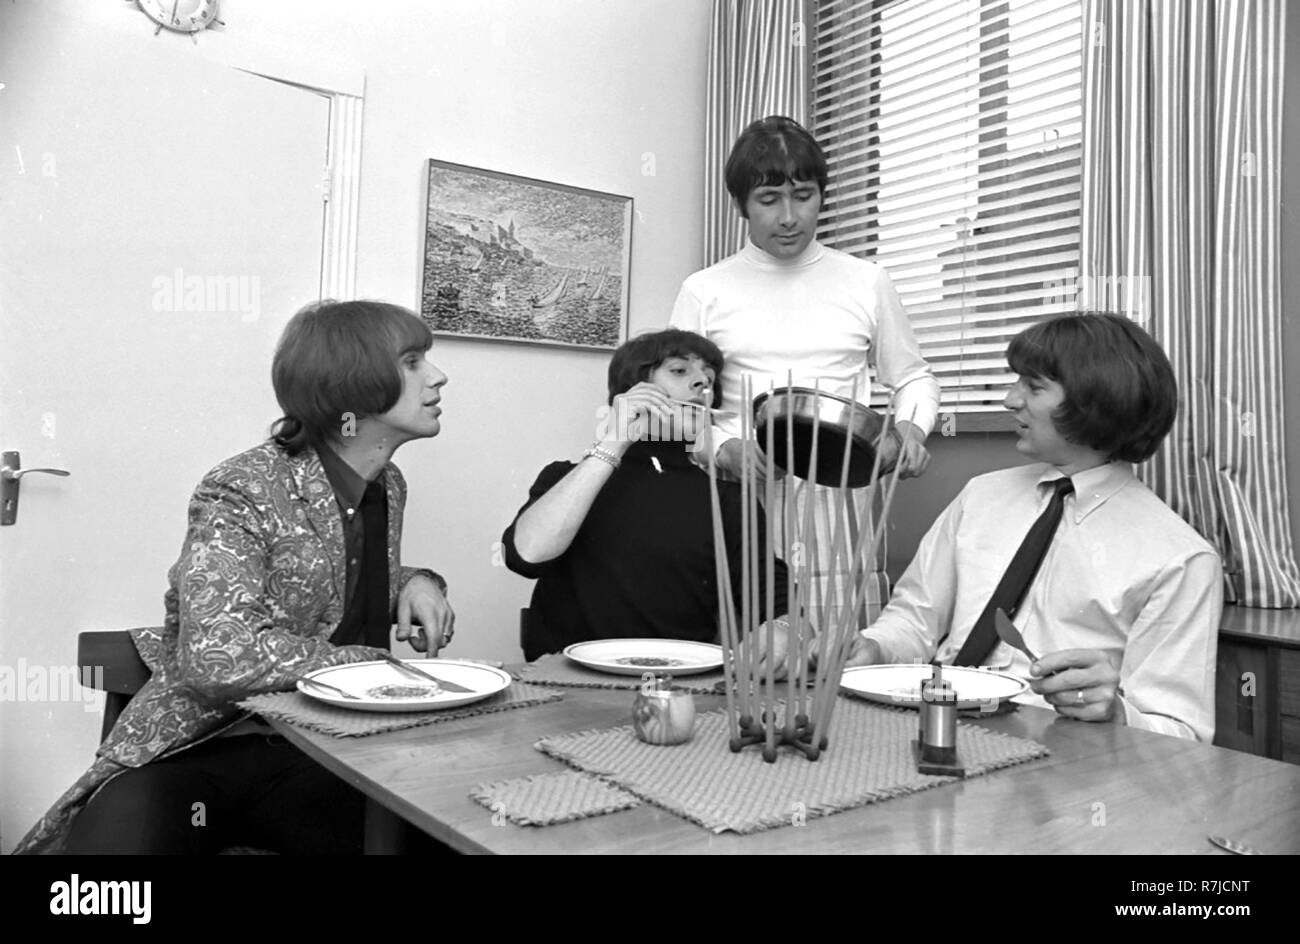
{"points": [[420, 673]]}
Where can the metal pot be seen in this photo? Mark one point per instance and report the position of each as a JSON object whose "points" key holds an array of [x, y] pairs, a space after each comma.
{"points": [[840, 423]]}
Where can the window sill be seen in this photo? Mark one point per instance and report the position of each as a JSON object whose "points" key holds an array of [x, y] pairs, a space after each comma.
{"points": [[955, 424]]}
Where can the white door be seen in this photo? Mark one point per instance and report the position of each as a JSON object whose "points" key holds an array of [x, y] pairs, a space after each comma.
{"points": [[160, 219]]}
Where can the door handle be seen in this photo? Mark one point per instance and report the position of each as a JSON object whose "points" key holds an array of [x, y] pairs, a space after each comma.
{"points": [[11, 476]]}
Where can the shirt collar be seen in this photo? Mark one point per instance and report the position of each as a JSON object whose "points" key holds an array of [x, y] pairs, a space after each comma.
{"points": [[764, 260], [349, 487], [1092, 487]]}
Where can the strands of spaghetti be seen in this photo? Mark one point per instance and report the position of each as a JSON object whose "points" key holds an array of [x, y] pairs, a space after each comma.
{"points": [[769, 547], [798, 641], [747, 546], [844, 627], [726, 606], [849, 627], [799, 715], [809, 558], [838, 552], [793, 638], [756, 549]]}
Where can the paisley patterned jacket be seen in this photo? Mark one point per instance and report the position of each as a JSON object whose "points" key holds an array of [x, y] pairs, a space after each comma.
{"points": [[252, 601]]}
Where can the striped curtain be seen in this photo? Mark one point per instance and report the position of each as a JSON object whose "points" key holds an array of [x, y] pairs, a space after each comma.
{"points": [[1181, 231], [758, 66]]}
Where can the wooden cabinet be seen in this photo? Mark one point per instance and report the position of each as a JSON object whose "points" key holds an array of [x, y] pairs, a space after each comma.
{"points": [[1289, 703], [1257, 685], [1241, 698]]}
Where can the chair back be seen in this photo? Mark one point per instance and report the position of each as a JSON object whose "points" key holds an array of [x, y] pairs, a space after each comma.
{"points": [[107, 660]]}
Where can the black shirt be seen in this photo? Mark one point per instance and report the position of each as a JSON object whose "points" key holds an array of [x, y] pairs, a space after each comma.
{"points": [[642, 563], [367, 616], [349, 489]]}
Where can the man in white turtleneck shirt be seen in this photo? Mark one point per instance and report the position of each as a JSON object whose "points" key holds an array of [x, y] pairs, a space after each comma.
{"points": [[786, 304], [787, 309]]}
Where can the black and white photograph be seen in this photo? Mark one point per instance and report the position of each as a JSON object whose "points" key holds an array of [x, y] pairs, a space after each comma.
{"points": [[651, 427]]}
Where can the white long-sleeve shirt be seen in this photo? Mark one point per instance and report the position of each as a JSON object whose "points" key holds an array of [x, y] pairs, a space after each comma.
{"points": [[824, 315], [1123, 574]]}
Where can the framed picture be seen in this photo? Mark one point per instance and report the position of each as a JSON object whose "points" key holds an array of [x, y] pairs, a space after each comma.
{"points": [[509, 258]]}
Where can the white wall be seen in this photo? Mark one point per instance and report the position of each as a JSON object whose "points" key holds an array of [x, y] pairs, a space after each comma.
{"points": [[594, 93], [582, 92]]}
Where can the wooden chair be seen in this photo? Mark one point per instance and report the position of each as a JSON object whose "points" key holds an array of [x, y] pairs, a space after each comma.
{"points": [[108, 661]]}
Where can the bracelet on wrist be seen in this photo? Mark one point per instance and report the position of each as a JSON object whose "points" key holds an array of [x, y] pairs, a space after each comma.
{"points": [[604, 455]]}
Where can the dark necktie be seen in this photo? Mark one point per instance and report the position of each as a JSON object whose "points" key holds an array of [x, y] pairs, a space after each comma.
{"points": [[368, 619], [1015, 581]]}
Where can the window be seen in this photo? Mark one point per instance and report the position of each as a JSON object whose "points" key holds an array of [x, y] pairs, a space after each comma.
{"points": [[953, 129]]}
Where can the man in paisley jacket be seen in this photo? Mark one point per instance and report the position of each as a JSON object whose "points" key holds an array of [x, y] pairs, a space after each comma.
{"points": [[272, 582]]}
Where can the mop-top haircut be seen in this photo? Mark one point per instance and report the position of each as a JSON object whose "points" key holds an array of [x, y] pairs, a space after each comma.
{"points": [[1120, 391], [771, 152], [336, 358], [636, 359]]}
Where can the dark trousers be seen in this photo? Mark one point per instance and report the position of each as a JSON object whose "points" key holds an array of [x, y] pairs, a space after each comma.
{"points": [[250, 790]]}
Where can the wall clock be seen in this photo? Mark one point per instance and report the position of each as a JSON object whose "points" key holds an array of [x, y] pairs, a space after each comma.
{"points": [[180, 16]]}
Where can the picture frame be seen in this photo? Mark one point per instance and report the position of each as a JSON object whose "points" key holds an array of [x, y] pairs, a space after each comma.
{"points": [[510, 258]]}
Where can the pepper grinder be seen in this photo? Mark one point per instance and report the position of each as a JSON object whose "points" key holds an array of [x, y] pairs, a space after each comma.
{"points": [[936, 744]]}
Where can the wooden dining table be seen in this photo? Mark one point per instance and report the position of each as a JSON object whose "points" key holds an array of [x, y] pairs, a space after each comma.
{"points": [[1105, 788]]}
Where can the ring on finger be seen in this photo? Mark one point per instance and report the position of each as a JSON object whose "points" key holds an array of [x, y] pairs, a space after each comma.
{"points": [[1078, 696]]}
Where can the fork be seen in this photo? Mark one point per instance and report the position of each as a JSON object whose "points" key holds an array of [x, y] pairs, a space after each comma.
{"points": [[328, 687], [725, 414]]}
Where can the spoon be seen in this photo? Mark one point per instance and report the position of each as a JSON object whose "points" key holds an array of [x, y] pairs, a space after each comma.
{"points": [[1008, 633]]}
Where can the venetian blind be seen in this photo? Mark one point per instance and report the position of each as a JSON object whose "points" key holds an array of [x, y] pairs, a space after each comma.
{"points": [[952, 128]]}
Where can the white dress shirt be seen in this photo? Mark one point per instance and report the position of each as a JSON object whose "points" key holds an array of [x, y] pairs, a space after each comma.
{"points": [[1123, 574]]}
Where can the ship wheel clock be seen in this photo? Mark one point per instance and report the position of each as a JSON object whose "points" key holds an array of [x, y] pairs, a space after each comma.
{"points": [[181, 16]]}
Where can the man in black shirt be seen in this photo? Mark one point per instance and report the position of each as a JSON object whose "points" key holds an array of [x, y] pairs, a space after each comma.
{"points": [[621, 542]]}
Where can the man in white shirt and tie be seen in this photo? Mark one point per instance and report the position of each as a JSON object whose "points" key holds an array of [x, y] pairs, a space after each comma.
{"points": [[1122, 606]]}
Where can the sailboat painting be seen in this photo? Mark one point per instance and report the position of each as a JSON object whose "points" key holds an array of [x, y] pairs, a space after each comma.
{"points": [[510, 258]]}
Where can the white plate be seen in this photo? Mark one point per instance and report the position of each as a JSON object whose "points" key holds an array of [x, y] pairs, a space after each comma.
{"points": [[362, 678], [901, 684], [638, 656]]}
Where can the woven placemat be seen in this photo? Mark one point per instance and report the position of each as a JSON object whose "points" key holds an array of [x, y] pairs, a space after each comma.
{"points": [[297, 708], [870, 758], [544, 799], [557, 669]]}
